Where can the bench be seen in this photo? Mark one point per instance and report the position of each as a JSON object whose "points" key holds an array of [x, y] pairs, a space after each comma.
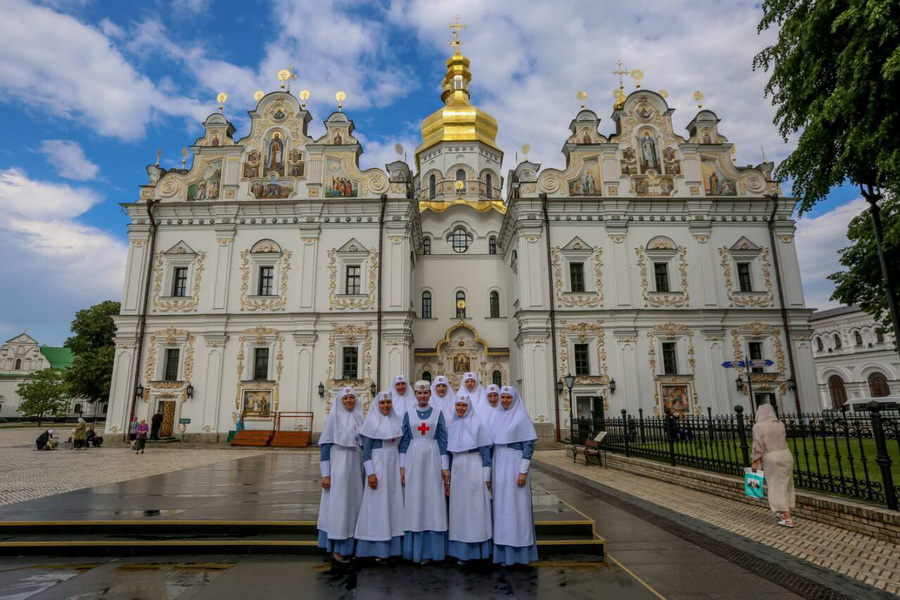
{"points": [[590, 449]]}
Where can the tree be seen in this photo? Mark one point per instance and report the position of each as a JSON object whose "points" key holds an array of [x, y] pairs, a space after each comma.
{"points": [[45, 393], [836, 81], [859, 284], [93, 343]]}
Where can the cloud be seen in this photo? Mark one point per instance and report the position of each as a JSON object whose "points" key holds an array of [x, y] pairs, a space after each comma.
{"points": [[818, 240], [69, 159], [56, 261], [76, 73], [195, 7]]}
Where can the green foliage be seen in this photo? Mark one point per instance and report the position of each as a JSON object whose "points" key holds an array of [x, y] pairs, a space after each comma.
{"points": [[861, 283], [90, 375], [46, 393], [835, 78]]}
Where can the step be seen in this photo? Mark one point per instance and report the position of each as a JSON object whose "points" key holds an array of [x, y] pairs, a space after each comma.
{"points": [[291, 439]]}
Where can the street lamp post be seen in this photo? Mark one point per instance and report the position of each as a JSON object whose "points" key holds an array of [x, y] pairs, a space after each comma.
{"points": [[570, 382]]}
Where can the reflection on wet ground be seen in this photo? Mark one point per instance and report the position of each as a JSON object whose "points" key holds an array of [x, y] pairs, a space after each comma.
{"points": [[249, 577]]}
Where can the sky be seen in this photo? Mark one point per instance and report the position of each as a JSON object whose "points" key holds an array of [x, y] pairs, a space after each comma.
{"points": [[90, 89]]}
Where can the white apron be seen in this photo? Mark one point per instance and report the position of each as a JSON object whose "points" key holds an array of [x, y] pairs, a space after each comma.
{"points": [[426, 506], [470, 502], [381, 513], [513, 517], [339, 506]]}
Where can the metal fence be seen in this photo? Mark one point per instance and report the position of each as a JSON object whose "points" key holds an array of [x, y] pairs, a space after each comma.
{"points": [[852, 454]]}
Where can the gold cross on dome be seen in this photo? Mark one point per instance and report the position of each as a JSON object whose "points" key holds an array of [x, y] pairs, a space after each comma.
{"points": [[456, 26], [620, 72]]}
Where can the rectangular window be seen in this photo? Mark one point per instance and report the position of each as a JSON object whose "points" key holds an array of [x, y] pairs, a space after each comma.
{"points": [[743, 271], [351, 362], [661, 273], [179, 282], [576, 276], [756, 354], [260, 363], [426, 305], [670, 360], [171, 372], [582, 360], [267, 281], [352, 281]]}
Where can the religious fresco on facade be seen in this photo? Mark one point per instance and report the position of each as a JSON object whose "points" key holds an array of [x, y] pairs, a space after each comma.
{"points": [[671, 164], [208, 186], [337, 183], [270, 189], [257, 404], [675, 397], [461, 363], [648, 153], [274, 159], [714, 182], [653, 185], [250, 168], [588, 182], [629, 162], [296, 165]]}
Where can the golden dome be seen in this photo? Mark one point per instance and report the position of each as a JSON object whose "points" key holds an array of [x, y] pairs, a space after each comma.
{"points": [[458, 120]]}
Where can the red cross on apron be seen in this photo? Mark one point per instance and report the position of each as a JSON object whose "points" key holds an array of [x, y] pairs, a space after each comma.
{"points": [[423, 428]]}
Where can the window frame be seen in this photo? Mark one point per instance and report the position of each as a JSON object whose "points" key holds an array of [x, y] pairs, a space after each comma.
{"points": [[460, 312], [180, 275], [459, 232], [168, 366], [353, 279], [432, 187], [755, 348], [257, 351], [661, 268], [576, 277], [745, 276], [492, 245], [265, 281], [494, 304], [427, 305], [426, 245], [669, 352], [581, 359], [348, 354]]}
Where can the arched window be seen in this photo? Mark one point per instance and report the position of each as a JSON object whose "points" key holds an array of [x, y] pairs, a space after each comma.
{"points": [[495, 305], [879, 336], [426, 375], [432, 187], [837, 391], [837, 341], [819, 345], [426, 245], [492, 245], [426, 305], [489, 185], [878, 385], [858, 338], [460, 240], [461, 175], [18, 364], [497, 378], [78, 409], [460, 305]]}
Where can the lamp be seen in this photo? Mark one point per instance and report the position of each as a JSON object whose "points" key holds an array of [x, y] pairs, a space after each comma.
{"points": [[559, 388], [739, 382], [791, 384], [612, 386], [373, 389], [190, 390], [570, 381], [321, 390], [139, 391]]}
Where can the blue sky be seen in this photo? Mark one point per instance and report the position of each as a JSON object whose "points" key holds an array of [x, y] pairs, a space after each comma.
{"points": [[90, 90]]}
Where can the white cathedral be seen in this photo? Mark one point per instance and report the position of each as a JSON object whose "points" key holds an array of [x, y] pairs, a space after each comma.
{"points": [[274, 271]]}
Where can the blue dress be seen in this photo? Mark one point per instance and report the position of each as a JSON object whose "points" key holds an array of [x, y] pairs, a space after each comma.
{"points": [[465, 520], [513, 512], [344, 546], [381, 512]]}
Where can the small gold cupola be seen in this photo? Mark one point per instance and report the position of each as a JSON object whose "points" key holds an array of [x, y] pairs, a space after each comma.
{"points": [[458, 120]]}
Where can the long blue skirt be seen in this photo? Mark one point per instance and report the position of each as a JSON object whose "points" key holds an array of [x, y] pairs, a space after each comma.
{"points": [[342, 547], [469, 550], [424, 545], [515, 555], [385, 549]]}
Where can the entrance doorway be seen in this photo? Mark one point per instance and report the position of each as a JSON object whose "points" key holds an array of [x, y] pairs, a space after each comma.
{"points": [[167, 408], [766, 398]]}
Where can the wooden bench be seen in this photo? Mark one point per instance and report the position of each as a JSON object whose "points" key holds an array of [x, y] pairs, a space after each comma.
{"points": [[590, 449], [247, 437]]}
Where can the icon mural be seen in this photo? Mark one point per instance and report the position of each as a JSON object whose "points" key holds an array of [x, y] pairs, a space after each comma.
{"points": [[714, 182], [649, 154], [208, 186], [337, 183], [275, 155], [588, 182]]}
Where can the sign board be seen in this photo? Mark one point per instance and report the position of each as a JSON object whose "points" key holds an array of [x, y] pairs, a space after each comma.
{"points": [[760, 363], [184, 421], [740, 364], [600, 436]]}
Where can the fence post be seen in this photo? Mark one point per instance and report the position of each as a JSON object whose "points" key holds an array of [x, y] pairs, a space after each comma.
{"points": [[881, 457], [626, 431], [742, 434], [670, 434], [641, 423]]}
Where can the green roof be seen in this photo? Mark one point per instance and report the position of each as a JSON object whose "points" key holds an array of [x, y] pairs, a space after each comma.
{"points": [[59, 358]]}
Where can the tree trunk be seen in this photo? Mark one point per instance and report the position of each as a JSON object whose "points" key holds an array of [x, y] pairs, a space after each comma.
{"points": [[40, 419]]}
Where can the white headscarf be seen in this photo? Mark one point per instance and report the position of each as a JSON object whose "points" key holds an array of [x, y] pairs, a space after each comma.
{"points": [[447, 403], [466, 432], [513, 424], [382, 427], [476, 396], [342, 425], [486, 412], [407, 400]]}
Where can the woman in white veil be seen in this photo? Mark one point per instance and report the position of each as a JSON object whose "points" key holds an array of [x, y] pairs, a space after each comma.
{"points": [[403, 400], [443, 396]]}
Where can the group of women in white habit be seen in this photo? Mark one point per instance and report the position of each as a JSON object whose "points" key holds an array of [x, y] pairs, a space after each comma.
{"points": [[429, 473]]}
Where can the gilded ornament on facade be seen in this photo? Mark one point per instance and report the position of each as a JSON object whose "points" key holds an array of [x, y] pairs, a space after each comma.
{"points": [[341, 302], [261, 302], [742, 299], [573, 299], [169, 336], [171, 303], [657, 299]]}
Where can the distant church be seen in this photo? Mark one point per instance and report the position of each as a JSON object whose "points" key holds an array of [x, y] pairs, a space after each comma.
{"points": [[277, 265]]}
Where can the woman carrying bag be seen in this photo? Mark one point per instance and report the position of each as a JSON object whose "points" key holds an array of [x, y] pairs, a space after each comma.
{"points": [[770, 446]]}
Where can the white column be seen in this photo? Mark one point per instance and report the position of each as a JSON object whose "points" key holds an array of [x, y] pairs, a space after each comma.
{"points": [[224, 250]]}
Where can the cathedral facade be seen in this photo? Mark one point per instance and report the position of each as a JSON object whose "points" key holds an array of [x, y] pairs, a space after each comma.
{"points": [[274, 271]]}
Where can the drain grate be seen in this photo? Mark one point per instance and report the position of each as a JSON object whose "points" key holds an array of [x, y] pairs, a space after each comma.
{"points": [[797, 584]]}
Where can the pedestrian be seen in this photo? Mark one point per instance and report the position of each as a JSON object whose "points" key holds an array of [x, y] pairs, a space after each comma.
{"points": [[469, 445], [379, 528], [140, 439], [424, 469], [132, 429], [342, 478], [632, 429], [79, 434], [44, 441], [155, 425], [92, 439], [770, 447], [514, 437], [488, 409], [473, 388], [401, 395], [443, 397]]}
